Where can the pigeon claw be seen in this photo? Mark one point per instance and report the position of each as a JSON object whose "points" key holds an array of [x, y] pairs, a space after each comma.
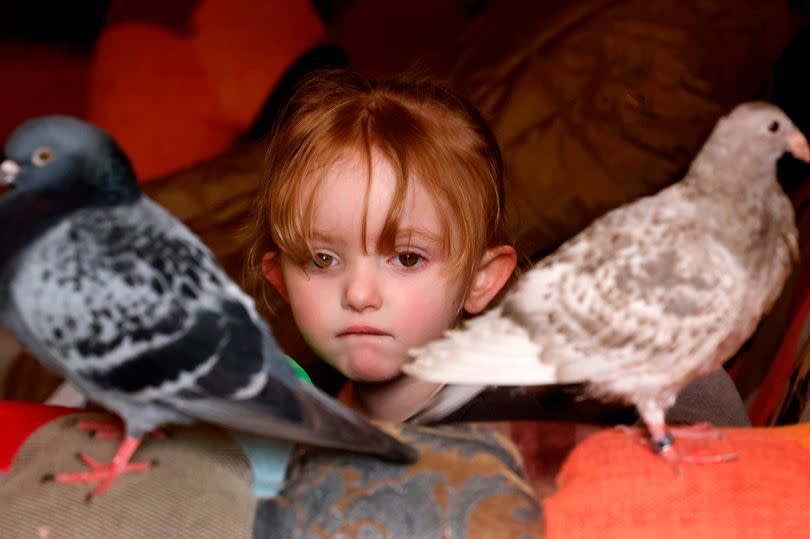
{"points": [[682, 444], [696, 452], [104, 474]]}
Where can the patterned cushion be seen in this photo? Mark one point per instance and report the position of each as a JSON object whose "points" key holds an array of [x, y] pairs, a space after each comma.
{"points": [[468, 481]]}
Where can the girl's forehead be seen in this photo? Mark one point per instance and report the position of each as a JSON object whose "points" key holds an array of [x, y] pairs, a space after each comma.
{"points": [[348, 186], [341, 199], [353, 175]]}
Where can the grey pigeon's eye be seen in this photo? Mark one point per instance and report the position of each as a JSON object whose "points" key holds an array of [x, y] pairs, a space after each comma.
{"points": [[42, 156], [773, 127]]}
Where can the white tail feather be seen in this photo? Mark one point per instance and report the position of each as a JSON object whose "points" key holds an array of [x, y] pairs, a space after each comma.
{"points": [[489, 350]]}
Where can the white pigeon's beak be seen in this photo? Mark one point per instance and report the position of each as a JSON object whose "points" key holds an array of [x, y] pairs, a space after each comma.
{"points": [[798, 146], [8, 172]]}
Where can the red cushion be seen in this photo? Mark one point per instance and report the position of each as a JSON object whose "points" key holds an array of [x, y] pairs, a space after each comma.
{"points": [[20, 420]]}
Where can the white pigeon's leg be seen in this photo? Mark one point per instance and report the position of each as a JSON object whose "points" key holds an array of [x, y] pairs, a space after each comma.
{"points": [[662, 438], [105, 474]]}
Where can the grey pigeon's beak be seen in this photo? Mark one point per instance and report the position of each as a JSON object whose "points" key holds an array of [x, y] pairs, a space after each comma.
{"points": [[8, 171], [798, 146]]}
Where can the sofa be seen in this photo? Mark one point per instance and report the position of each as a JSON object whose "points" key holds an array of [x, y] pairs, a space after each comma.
{"points": [[594, 104]]}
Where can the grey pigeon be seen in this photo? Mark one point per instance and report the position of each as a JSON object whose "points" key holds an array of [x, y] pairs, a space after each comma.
{"points": [[652, 295], [109, 289]]}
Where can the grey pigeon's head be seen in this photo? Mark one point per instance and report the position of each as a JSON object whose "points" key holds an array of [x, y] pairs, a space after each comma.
{"points": [[69, 159], [762, 129]]}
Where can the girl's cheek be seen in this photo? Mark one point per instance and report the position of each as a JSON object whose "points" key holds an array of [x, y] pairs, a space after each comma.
{"points": [[308, 302], [429, 312]]}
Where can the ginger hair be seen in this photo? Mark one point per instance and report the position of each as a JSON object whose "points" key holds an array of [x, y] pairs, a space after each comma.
{"points": [[427, 133]]}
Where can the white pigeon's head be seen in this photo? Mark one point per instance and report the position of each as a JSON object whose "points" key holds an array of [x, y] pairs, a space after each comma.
{"points": [[66, 157], [761, 129]]}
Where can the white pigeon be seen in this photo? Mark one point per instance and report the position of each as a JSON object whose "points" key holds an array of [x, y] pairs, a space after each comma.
{"points": [[652, 295]]}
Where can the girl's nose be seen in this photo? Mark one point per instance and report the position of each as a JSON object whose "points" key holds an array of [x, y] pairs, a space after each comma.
{"points": [[361, 290]]}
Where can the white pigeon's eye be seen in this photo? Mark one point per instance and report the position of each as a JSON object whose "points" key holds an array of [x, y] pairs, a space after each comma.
{"points": [[773, 127], [42, 156]]}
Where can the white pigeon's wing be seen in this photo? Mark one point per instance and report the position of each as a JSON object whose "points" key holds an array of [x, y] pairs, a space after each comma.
{"points": [[489, 350], [639, 291]]}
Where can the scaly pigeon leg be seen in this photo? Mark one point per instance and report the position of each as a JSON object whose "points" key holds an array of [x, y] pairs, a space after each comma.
{"points": [[108, 430], [101, 430]]}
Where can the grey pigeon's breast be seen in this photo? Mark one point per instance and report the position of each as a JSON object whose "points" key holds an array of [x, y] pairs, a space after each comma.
{"points": [[109, 283]]}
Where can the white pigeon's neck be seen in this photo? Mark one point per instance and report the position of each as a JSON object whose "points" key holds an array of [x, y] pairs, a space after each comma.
{"points": [[724, 172]]}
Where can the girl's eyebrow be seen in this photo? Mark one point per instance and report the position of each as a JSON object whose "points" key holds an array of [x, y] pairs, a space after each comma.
{"points": [[324, 236], [403, 234], [420, 233]]}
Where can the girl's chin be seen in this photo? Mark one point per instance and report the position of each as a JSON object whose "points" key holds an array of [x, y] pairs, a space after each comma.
{"points": [[367, 367]]}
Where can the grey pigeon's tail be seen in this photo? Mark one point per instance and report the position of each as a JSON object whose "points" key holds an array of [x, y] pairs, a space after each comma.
{"points": [[291, 409], [329, 423], [253, 388]]}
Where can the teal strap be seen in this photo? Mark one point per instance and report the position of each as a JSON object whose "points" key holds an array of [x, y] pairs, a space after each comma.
{"points": [[269, 458]]}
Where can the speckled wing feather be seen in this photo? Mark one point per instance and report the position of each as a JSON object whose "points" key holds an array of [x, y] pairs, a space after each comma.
{"points": [[620, 303], [113, 292], [640, 293]]}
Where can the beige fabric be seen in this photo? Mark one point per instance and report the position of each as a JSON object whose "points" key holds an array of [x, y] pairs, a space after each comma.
{"points": [[468, 482], [200, 488]]}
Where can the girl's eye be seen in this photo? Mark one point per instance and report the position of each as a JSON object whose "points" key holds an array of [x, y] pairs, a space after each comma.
{"points": [[408, 260], [322, 261]]}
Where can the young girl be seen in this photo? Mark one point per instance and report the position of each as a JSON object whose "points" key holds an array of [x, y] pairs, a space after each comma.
{"points": [[381, 223]]}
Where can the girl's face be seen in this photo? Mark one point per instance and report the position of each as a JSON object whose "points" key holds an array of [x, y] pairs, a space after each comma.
{"points": [[360, 309]]}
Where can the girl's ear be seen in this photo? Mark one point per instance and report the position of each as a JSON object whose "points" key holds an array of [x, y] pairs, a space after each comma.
{"points": [[493, 272], [271, 269]]}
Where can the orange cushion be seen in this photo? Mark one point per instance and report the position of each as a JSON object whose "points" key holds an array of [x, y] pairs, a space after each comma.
{"points": [[177, 90], [611, 486]]}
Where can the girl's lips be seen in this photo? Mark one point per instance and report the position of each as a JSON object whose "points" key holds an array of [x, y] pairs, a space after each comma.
{"points": [[362, 330]]}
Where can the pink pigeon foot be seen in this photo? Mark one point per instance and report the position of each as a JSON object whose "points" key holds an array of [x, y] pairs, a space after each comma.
{"points": [[703, 432], [662, 439], [104, 474]]}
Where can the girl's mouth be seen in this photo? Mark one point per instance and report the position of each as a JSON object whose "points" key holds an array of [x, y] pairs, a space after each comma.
{"points": [[362, 330]]}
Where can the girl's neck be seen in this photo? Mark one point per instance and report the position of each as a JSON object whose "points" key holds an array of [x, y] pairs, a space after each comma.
{"points": [[396, 400]]}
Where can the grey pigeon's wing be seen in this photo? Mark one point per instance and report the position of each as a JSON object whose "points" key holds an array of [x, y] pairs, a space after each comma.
{"points": [[108, 286], [133, 308]]}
